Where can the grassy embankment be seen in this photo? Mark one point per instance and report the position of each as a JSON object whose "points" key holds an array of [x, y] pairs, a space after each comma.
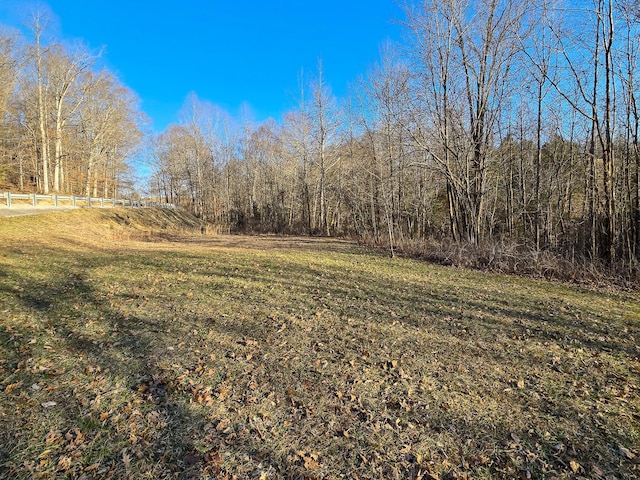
{"points": [[130, 346]]}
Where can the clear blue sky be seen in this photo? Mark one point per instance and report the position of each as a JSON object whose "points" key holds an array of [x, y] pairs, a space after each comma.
{"points": [[228, 52]]}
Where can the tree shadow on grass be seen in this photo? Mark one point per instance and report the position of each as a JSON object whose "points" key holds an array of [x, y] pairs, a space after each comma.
{"points": [[518, 436], [509, 329], [103, 372], [100, 349]]}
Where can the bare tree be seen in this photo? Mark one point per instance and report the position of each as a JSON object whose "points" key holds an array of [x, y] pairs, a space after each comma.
{"points": [[297, 143], [38, 29], [630, 27], [109, 125], [325, 124], [8, 76], [8, 69], [64, 72], [388, 93], [466, 53]]}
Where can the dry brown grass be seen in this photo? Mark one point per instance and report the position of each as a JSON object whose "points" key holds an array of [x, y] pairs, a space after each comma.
{"points": [[170, 354]]}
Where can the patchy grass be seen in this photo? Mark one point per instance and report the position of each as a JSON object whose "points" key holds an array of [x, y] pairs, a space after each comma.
{"points": [[130, 347]]}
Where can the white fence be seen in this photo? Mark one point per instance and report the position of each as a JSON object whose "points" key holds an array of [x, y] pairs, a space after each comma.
{"points": [[74, 201]]}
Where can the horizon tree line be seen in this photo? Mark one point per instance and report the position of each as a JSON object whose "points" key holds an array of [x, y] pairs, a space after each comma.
{"points": [[495, 122]]}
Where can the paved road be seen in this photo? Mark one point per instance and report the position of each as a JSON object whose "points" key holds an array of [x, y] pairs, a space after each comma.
{"points": [[22, 210]]}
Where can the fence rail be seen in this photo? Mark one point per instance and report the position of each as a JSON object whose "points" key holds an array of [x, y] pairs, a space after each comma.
{"points": [[75, 201]]}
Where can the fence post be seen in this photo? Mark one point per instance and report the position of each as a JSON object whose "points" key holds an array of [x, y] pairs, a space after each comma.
{"points": [[101, 202], [73, 201], [8, 199], [55, 200], [88, 200], [35, 200]]}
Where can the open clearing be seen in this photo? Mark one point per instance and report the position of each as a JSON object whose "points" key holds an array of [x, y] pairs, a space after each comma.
{"points": [[130, 348]]}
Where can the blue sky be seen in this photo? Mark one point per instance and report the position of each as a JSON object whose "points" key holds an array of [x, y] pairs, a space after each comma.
{"points": [[231, 52]]}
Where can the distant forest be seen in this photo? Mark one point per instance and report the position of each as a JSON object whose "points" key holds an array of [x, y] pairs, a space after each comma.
{"points": [[508, 127]]}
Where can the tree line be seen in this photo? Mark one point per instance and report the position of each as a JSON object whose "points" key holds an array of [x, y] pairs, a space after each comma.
{"points": [[497, 121], [494, 122], [66, 125]]}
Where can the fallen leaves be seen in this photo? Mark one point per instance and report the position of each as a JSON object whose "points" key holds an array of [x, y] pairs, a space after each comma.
{"points": [[309, 460], [126, 460], [223, 392], [92, 467], [64, 463], [224, 426], [46, 453], [75, 438], [575, 466], [53, 437], [12, 386], [273, 387]]}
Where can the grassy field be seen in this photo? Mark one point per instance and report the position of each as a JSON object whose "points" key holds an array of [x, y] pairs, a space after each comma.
{"points": [[131, 348]]}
